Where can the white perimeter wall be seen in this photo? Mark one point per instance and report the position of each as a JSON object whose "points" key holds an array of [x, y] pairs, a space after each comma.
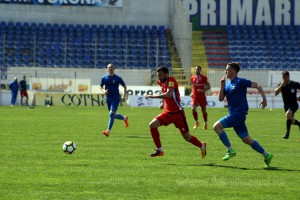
{"points": [[131, 77], [268, 79]]}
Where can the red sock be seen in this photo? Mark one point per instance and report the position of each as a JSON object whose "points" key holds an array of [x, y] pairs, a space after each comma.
{"points": [[195, 114], [155, 136], [195, 141], [205, 117]]}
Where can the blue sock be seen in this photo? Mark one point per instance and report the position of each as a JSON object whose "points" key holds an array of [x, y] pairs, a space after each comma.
{"points": [[257, 147], [119, 116], [223, 137], [111, 120]]}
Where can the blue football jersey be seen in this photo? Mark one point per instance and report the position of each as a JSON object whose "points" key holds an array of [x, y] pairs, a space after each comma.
{"points": [[112, 85], [236, 94]]}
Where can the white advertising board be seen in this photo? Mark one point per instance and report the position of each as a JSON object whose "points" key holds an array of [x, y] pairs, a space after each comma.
{"points": [[140, 101], [137, 90], [53, 84]]}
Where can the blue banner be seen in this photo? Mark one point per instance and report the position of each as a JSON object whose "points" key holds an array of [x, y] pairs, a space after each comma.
{"points": [[210, 13], [101, 3]]}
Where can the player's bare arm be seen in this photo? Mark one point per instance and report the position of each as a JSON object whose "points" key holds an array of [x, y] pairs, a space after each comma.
{"points": [[278, 89], [165, 95], [207, 87], [103, 90], [222, 85], [125, 93], [263, 103]]}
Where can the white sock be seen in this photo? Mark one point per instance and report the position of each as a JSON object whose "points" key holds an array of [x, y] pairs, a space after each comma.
{"points": [[265, 154], [160, 149], [229, 148]]}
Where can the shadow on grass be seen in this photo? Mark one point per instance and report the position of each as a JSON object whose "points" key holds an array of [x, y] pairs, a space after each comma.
{"points": [[240, 168], [80, 165], [137, 137]]}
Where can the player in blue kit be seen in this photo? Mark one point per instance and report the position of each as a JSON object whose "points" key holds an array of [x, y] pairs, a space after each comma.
{"points": [[235, 90], [14, 87], [111, 90]]}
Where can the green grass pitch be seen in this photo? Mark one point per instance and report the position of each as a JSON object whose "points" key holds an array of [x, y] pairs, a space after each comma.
{"points": [[33, 165]]}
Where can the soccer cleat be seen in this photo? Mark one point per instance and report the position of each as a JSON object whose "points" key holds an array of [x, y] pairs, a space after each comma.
{"points": [[126, 121], [231, 153], [203, 150], [268, 160], [205, 126], [286, 136], [196, 125], [157, 153], [106, 133]]}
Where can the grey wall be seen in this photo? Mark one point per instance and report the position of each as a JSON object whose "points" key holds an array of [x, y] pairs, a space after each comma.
{"points": [[135, 12]]}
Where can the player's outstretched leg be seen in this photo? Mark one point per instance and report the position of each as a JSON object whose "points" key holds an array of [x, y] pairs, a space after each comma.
{"points": [[157, 152], [268, 159], [196, 125], [230, 153], [106, 133], [110, 123], [297, 123], [288, 128], [203, 150], [204, 113], [121, 117], [126, 121], [194, 140], [286, 135], [156, 139], [195, 115]]}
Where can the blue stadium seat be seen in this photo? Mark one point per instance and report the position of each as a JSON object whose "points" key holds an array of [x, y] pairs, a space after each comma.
{"points": [[55, 45]]}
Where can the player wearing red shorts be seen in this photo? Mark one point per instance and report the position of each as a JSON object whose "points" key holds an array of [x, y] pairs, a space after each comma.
{"points": [[173, 113], [23, 90], [200, 85]]}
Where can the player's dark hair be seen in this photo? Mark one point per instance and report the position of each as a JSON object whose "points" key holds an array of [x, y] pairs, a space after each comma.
{"points": [[198, 66], [163, 69], [285, 73], [235, 66]]}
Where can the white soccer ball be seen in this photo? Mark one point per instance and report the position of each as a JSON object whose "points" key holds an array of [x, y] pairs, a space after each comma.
{"points": [[69, 147]]}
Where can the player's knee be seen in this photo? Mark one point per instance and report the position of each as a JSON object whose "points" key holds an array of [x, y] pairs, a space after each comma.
{"points": [[218, 127], [151, 125], [154, 124], [247, 140], [112, 114], [289, 115], [187, 136]]}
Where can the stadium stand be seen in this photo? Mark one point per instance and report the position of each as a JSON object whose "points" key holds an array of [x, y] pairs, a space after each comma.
{"points": [[82, 46], [265, 47], [138, 47], [255, 47], [217, 48]]}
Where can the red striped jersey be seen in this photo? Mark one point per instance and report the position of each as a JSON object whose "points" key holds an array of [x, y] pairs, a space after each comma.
{"points": [[198, 82], [172, 104]]}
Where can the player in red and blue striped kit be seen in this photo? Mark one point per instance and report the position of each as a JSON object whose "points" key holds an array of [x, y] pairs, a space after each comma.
{"points": [[173, 113]]}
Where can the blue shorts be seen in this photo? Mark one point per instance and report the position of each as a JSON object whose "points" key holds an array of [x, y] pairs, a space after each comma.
{"points": [[237, 121], [113, 104]]}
